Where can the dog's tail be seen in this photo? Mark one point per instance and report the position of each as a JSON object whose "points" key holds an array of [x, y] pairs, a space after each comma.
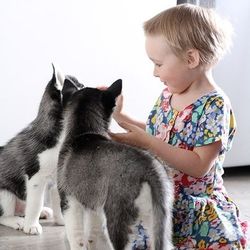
{"points": [[162, 199]]}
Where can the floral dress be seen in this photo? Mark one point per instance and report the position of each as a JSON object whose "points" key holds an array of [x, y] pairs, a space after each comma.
{"points": [[204, 217]]}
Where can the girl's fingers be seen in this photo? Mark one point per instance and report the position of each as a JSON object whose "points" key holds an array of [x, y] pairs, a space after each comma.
{"points": [[119, 137], [102, 87], [126, 126]]}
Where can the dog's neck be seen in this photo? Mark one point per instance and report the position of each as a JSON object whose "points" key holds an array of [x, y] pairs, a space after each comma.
{"points": [[43, 120], [85, 126], [103, 133]]}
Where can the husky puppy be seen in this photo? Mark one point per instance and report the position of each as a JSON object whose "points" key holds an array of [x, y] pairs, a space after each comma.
{"points": [[29, 160], [107, 188]]}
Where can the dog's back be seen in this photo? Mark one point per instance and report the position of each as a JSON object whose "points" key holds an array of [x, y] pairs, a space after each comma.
{"points": [[129, 184], [100, 172], [19, 157], [29, 159]]}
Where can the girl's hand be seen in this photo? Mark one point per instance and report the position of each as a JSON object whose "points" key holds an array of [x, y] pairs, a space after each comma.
{"points": [[117, 114], [102, 87], [135, 136]]}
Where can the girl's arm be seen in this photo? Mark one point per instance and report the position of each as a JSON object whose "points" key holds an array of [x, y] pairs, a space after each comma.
{"points": [[195, 163], [123, 118]]}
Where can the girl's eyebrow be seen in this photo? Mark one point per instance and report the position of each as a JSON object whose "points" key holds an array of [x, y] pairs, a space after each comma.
{"points": [[154, 60]]}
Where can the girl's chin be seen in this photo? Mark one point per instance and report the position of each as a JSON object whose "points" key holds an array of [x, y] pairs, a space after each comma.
{"points": [[172, 90]]}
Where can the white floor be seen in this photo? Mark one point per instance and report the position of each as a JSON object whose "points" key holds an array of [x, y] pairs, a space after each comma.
{"points": [[237, 182]]}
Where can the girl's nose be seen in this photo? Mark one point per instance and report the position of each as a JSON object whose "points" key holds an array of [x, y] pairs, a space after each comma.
{"points": [[155, 72]]}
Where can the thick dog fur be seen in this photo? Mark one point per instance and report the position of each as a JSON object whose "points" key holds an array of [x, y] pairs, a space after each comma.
{"points": [[29, 160], [107, 188]]}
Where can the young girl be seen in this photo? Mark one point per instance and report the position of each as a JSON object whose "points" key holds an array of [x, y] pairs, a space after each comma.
{"points": [[191, 127]]}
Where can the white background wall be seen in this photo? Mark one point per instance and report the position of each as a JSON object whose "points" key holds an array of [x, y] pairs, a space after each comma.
{"points": [[98, 42], [233, 75]]}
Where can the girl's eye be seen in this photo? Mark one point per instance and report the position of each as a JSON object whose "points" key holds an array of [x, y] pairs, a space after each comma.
{"points": [[157, 65]]}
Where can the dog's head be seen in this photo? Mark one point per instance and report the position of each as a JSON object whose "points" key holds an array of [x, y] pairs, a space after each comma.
{"points": [[61, 87], [90, 109]]}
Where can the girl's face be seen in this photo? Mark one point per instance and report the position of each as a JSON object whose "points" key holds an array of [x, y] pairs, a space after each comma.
{"points": [[173, 71]]}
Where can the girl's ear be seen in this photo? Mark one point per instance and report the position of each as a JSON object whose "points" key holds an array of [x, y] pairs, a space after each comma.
{"points": [[193, 58]]}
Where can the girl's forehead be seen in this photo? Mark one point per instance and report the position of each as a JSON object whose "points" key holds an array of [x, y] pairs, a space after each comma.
{"points": [[155, 40], [156, 46]]}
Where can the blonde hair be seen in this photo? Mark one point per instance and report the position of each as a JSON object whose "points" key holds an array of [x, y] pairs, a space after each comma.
{"points": [[187, 26]]}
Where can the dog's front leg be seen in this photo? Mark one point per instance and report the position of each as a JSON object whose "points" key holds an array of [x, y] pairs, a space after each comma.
{"points": [[55, 203], [34, 204]]}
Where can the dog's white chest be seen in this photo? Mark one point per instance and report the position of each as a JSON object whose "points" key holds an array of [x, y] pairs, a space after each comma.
{"points": [[48, 159]]}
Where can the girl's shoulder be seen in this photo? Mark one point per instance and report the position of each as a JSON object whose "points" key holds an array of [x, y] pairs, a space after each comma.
{"points": [[216, 97]]}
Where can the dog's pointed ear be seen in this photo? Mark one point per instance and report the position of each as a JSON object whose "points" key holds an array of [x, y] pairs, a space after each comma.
{"points": [[68, 90], [116, 88], [75, 81], [68, 85], [58, 77], [111, 93]]}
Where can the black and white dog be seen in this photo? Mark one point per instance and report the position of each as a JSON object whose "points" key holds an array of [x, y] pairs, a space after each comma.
{"points": [[29, 160], [108, 188]]}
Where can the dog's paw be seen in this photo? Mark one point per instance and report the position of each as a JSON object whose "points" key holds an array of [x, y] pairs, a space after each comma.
{"points": [[19, 223], [14, 222], [34, 229], [47, 213]]}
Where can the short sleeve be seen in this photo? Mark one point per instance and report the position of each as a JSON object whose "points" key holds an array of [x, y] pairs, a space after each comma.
{"points": [[216, 123], [156, 115], [150, 124]]}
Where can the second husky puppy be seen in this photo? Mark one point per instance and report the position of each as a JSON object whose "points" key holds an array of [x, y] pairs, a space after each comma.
{"points": [[108, 188], [29, 160]]}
